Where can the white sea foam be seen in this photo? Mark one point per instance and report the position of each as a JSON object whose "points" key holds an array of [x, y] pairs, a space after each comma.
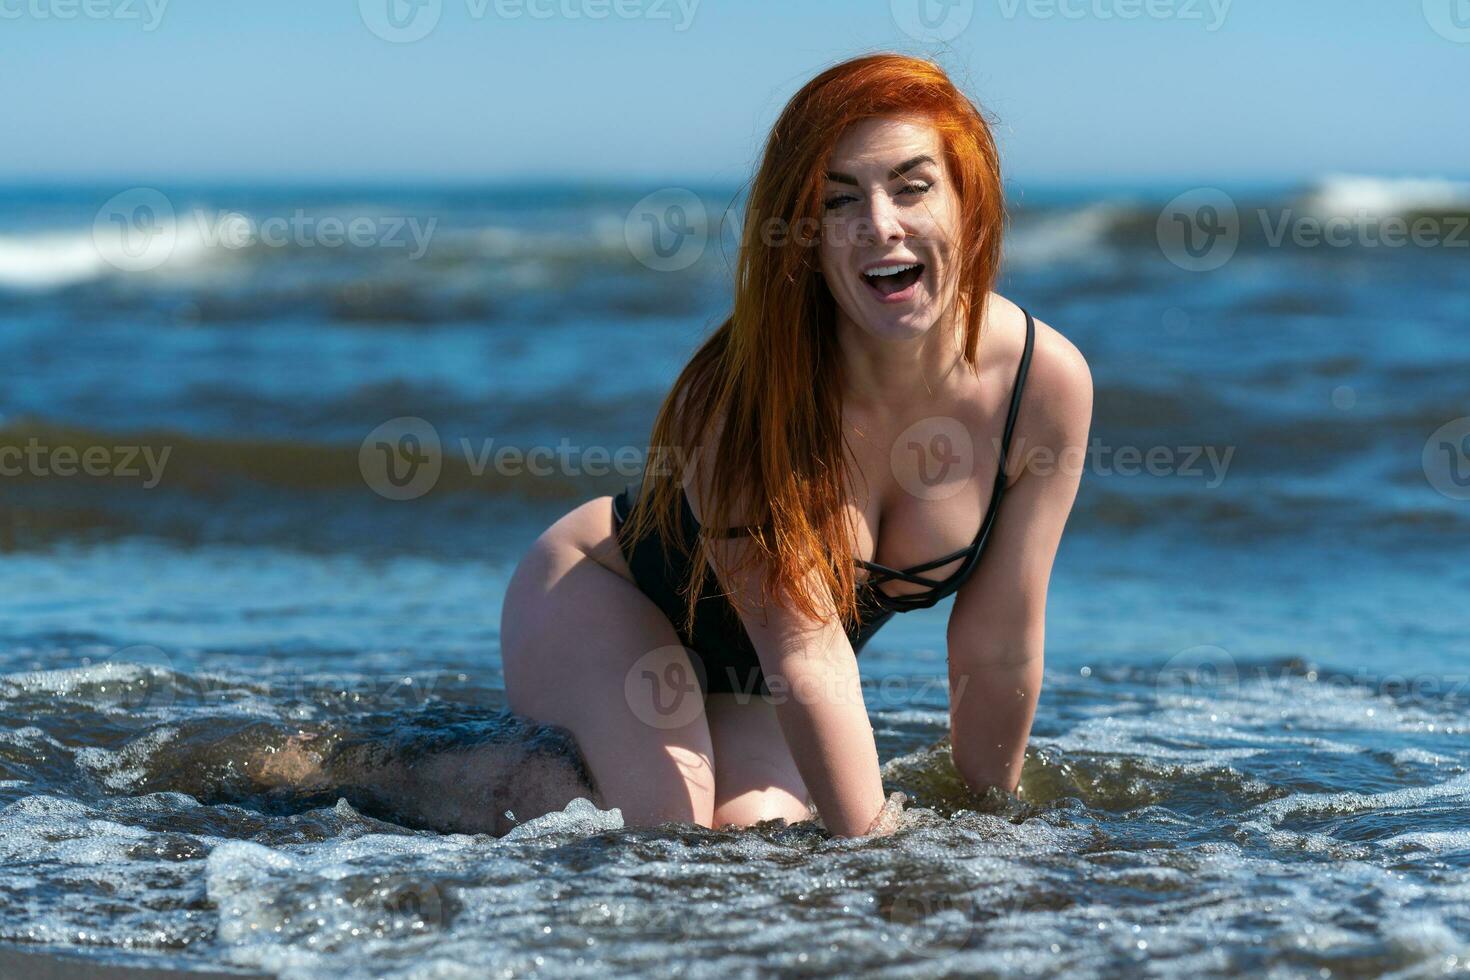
{"points": [[56, 258], [1437, 841], [1298, 804], [1349, 195], [125, 768], [1421, 757], [580, 816], [49, 260], [68, 680]]}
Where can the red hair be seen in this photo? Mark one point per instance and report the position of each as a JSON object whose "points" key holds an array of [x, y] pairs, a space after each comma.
{"points": [[770, 371]]}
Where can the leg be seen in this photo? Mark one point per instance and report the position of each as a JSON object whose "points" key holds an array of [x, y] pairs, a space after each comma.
{"points": [[466, 788], [583, 648], [461, 791], [755, 777]]}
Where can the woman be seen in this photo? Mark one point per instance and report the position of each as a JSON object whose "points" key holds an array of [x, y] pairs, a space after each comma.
{"points": [[839, 440]]}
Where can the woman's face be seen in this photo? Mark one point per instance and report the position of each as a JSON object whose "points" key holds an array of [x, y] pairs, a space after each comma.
{"points": [[889, 226]]}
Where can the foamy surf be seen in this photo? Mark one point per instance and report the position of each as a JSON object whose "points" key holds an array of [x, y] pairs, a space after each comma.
{"points": [[252, 705], [49, 261], [1347, 195]]}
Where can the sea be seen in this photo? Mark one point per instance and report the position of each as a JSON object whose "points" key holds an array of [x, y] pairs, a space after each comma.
{"points": [[1250, 754]]}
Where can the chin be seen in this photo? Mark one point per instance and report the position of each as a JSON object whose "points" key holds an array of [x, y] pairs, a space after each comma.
{"points": [[900, 326]]}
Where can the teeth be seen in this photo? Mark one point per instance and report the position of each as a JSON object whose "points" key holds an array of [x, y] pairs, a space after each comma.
{"points": [[891, 270]]}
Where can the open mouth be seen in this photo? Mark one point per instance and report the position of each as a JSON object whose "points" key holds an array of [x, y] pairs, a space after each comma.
{"points": [[894, 283]]}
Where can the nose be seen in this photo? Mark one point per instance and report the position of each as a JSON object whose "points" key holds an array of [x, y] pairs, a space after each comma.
{"points": [[883, 223]]}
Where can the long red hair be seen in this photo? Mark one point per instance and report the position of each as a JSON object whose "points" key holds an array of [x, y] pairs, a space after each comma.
{"points": [[770, 370]]}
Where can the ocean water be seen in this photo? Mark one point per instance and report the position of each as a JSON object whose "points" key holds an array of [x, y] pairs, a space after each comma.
{"points": [[1250, 754]]}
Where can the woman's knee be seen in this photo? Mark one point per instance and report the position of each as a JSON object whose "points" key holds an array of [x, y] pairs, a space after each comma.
{"points": [[753, 792], [583, 648], [758, 779], [753, 806], [679, 788]]}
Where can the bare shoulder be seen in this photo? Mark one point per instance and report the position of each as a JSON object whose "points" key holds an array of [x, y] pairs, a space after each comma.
{"points": [[1056, 405]]}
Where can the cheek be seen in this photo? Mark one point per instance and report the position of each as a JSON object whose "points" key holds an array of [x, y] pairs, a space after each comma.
{"points": [[832, 260], [939, 232], [942, 245]]}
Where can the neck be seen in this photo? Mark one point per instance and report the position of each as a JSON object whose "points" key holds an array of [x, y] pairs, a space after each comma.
{"points": [[892, 373]]}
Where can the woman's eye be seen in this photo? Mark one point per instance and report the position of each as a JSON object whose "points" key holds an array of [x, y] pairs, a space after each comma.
{"points": [[915, 188]]}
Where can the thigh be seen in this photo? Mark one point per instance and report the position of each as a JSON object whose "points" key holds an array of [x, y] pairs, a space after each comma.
{"points": [[583, 648], [755, 776]]}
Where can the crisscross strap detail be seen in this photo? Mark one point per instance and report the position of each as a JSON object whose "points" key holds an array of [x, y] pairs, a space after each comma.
{"points": [[939, 589]]}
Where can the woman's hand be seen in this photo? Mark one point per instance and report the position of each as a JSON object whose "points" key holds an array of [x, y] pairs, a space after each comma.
{"points": [[886, 822]]}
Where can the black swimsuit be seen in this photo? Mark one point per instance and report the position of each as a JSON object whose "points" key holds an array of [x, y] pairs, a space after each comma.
{"points": [[724, 657]]}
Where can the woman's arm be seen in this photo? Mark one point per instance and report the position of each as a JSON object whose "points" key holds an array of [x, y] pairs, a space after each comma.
{"points": [[812, 674], [997, 626]]}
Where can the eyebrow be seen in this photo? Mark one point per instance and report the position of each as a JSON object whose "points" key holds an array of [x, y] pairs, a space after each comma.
{"points": [[895, 173]]}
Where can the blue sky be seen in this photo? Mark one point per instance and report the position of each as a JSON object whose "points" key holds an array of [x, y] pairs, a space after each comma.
{"points": [[272, 89]]}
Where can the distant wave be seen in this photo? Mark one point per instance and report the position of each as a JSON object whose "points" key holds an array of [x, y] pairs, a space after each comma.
{"points": [[1123, 227], [56, 259], [218, 488], [446, 263], [207, 466], [1051, 237], [48, 260], [224, 267], [1348, 195]]}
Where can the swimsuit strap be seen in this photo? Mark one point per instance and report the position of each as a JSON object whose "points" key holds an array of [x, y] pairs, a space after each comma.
{"points": [[973, 551], [738, 531]]}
